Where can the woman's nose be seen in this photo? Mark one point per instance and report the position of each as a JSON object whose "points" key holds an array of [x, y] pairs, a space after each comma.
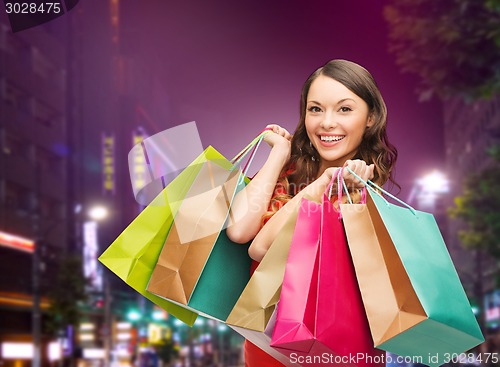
{"points": [[328, 121]]}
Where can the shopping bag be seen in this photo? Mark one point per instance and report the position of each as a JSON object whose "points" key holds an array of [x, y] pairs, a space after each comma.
{"points": [[321, 318], [257, 302], [157, 159], [414, 301], [199, 266], [262, 339], [133, 255]]}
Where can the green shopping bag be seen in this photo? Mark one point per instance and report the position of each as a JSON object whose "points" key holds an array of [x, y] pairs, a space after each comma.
{"points": [[133, 255], [199, 267], [400, 257]]}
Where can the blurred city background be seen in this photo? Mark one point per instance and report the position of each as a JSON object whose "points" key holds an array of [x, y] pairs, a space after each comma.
{"points": [[77, 93]]}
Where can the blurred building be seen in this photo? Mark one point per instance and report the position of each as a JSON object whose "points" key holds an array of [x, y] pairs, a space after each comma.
{"points": [[75, 97], [470, 129], [35, 194], [123, 102], [118, 110]]}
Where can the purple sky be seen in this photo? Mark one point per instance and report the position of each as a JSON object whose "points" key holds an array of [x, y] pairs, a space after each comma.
{"points": [[235, 66]]}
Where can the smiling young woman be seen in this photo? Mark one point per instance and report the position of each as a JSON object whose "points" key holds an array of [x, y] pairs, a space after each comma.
{"points": [[335, 121], [342, 123]]}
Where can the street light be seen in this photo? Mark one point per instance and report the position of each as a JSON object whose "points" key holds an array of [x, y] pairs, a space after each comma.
{"points": [[427, 189], [92, 270], [435, 182], [98, 213]]}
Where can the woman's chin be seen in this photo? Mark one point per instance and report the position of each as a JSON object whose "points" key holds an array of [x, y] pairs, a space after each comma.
{"points": [[332, 160]]}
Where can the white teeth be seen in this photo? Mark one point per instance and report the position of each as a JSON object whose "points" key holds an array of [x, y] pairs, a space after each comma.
{"points": [[331, 138]]}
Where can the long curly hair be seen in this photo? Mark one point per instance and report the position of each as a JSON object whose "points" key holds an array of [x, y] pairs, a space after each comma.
{"points": [[375, 147]]}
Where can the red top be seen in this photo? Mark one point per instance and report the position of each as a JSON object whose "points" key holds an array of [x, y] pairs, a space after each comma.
{"points": [[254, 356]]}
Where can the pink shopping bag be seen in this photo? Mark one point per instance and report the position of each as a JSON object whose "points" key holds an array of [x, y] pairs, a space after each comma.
{"points": [[321, 319]]}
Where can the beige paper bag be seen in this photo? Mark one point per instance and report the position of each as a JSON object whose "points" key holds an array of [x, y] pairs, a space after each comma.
{"points": [[257, 301], [193, 234], [262, 339], [391, 304]]}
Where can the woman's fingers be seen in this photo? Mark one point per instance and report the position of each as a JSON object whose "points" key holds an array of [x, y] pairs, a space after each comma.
{"points": [[330, 172], [279, 139], [280, 131], [372, 171], [361, 169]]}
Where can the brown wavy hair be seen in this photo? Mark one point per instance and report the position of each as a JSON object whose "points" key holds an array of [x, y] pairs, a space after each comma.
{"points": [[375, 147]]}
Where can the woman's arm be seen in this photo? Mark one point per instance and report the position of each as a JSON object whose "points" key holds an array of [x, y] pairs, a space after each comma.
{"points": [[314, 191], [270, 230], [251, 203]]}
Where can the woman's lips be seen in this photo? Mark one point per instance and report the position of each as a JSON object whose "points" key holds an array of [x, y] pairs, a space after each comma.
{"points": [[330, 140]]}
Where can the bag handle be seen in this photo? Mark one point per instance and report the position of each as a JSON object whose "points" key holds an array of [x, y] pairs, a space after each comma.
{"points": [[346, 190], [239, 157], [329, 188], [372, 186], [252, 147]]}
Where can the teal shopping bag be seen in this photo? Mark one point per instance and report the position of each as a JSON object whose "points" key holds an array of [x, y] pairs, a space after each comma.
{"points": [[199, 266], [412, 238]]}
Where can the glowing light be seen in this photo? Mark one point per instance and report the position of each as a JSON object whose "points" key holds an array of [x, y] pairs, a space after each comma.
{"points": [[54, 351], [16, 242], [428, 188], [123, 336], [134, 315], [17, 350], [123, 325], [86, 337], [87, 326], [93, 353], [98, 212], [222, 328], [199, 322], [159, 315], [475, 310], [435, 182], [178, 322]]}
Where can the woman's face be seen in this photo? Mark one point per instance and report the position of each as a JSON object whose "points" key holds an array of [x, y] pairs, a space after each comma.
{"points": [[336, 119]]}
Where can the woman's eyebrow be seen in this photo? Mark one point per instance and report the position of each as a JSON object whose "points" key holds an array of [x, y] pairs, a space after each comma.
{"points": [[339, 102], [346, 99]]}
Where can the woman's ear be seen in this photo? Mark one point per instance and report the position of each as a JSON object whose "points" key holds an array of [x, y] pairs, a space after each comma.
{"points": [[370, 121]]}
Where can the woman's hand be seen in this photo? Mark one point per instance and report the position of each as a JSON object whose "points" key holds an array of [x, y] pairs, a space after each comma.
{"points": [[279, 131], [360, 168], [316, 189], [279, 139]]}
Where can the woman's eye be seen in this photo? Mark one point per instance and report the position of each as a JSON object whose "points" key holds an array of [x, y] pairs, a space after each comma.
{"points": [[314, 109], [345, 109]]}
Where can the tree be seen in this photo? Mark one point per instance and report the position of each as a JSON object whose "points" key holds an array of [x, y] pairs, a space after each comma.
{"points": [[66, 294], [167, 351], [479, 208], [452, 45]]}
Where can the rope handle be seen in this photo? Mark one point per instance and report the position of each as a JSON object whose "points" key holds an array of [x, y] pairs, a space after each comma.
{"points": [[252, 147], [346, 190], [329, 188], [372, 186], [239, 157]]}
